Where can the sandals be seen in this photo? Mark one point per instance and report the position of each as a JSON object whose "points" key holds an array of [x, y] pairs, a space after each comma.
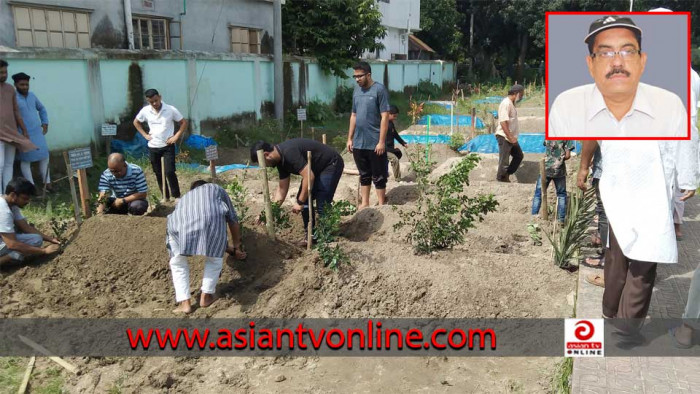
{"points": [[674, 340], [596, 280]]}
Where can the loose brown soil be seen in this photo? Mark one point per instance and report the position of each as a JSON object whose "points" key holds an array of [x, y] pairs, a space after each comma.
{"points": [[117, 266]]}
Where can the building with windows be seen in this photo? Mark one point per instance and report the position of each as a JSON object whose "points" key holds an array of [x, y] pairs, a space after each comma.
{"points": [[400, 18], [238, 26]]}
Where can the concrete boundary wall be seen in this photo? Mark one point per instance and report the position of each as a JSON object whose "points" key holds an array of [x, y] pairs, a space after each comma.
{"points": [[82, 89]]}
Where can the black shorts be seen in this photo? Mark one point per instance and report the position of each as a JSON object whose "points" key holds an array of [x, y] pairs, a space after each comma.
{"points": [[372, 168]]}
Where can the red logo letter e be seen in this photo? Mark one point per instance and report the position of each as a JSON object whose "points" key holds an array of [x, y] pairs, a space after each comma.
{"points": [[584, 330]]}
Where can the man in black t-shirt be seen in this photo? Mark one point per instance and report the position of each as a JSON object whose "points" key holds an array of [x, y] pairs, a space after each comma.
{"points": [[290, 157]]}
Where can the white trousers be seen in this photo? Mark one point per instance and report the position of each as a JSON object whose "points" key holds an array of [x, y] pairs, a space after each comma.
{"points": [[180, 268], [7, 162], [26, 167]]}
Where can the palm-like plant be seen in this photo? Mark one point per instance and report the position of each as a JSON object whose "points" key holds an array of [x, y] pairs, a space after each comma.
{"points": [[573, 232]]}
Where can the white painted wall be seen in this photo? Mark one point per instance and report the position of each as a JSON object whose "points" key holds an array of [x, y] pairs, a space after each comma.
{"points": [[399, 17]]}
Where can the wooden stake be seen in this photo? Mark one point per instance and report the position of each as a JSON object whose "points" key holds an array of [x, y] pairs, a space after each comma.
{"points": [[212, 169], [544, 207], [165, 181], [473, 122], [108, 145], [68, 366], [269, 223], [301, 129], [74, 196], [310, 229], [323, 138], [313, 133], [84, 192], [27, 375]]}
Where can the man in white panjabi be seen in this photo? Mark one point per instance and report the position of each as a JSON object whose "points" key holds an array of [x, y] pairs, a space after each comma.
{"points": [[616, 62], [638, 182]]}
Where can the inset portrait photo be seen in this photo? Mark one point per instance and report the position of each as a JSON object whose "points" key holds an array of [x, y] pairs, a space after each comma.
{"points": [[623, 75]]}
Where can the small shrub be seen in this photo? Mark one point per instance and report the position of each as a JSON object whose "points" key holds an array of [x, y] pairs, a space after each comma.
{"points": [[280, 217], [59, 227], [343, 99], [239, 195], [534, 230], [456, 141], [579, 213], [345, 207], [427, 90], [327, 227], [319, 112], [443, 215]]}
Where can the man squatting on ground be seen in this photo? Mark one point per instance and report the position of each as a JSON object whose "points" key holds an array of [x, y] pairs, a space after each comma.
{"points": [[127, 185], [290, 158], [369, 123], [197, 227], [18, 238], [161, 138]]}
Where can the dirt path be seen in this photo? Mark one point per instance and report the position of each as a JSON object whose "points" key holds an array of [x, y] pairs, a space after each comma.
{"points": [[117, 267]]}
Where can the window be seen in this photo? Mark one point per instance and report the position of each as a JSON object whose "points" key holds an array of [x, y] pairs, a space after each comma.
{"points": [[245, 40], [150, 33], [51, 27]]}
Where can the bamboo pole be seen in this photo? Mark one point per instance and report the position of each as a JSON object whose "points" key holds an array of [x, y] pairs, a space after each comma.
{"points": [[27, 375], [544, 207], [68, 366], [309, 201], [269, 223], [313, 133], [323, 138], [84, 193], [73, 194], [165, 181]]}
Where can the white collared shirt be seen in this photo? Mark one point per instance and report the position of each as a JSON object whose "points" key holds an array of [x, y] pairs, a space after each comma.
{"points": [[581, 112], [508, 113], [161, 124]]}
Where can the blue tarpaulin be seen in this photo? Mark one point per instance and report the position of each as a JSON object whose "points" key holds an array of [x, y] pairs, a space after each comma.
{"points": [[529, 143], [199, 142], [444, 120], [219, 169], [136, 148], [446, 104], [489, 100], [423, 139]]}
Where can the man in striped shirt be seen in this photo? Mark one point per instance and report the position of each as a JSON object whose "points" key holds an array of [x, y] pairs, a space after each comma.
{"points": [[127, 185], [197, 227]]}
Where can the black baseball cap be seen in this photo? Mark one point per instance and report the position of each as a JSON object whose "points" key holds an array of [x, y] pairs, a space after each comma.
{"points": [[608, 22]]}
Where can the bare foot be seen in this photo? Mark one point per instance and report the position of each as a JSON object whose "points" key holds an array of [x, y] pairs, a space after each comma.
{"points": [[362, 206], [184, 307], [684, 335], [206, 299], [677, 227]]}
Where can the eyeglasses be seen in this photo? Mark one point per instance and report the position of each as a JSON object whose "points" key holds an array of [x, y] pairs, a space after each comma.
{"points": [[358, 76], [625, 54]]}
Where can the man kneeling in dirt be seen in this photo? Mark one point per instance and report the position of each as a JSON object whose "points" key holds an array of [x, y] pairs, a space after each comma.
{"points": [[290, 158], [197, 227], [19, 239], [127, 185]]}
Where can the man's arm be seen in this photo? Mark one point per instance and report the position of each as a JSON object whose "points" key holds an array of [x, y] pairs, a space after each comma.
{"points": [[102, 206], [28, 250], [383, 127], [180, 132], [351, 130], [25, 228], [139, 128], [282, 190], [43, 115], [506, 130], [397, 136], [587, 151], [18, 116], [306, 179]]}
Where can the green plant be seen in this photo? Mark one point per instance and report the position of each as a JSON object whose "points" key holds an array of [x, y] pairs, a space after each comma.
{"points": [[327, 227], [456, 141], [427, 90], [59, 228], [239, 196], [561, 381], [345, 207], [319, 112], [443, 214], [343, 99], [534, 230], [280, 217], [579, 213]]}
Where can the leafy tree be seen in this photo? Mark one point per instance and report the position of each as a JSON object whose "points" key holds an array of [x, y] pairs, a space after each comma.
{"points": [[335, 32], [440, 22]]}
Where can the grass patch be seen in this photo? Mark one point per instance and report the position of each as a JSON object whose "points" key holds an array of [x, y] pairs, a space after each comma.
{"points": [[11, 372], [51, 382], [561, 381]]}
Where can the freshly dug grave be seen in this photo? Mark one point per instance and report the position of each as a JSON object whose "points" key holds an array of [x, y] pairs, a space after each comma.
{"points": [[117, 266]]}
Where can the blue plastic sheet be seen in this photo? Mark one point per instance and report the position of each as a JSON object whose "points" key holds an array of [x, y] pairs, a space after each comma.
{"points": [[199, 142], [445, 104], [136, 148], [490, 100], [529, 143], [444, 120], [219, 169], [423, 139]]}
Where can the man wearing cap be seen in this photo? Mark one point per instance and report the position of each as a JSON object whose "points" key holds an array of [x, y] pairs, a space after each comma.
{"points": [[639, 177], [617, 104], [507, 134], [36, 119]]}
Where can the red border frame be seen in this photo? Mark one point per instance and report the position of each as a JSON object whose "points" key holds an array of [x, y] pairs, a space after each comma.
{"points": [[546, 67]]}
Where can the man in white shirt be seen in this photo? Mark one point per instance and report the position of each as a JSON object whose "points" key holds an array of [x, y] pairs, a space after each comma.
{"points": [[17, 238], [161, 118], [507, 134], [617, 104]]}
